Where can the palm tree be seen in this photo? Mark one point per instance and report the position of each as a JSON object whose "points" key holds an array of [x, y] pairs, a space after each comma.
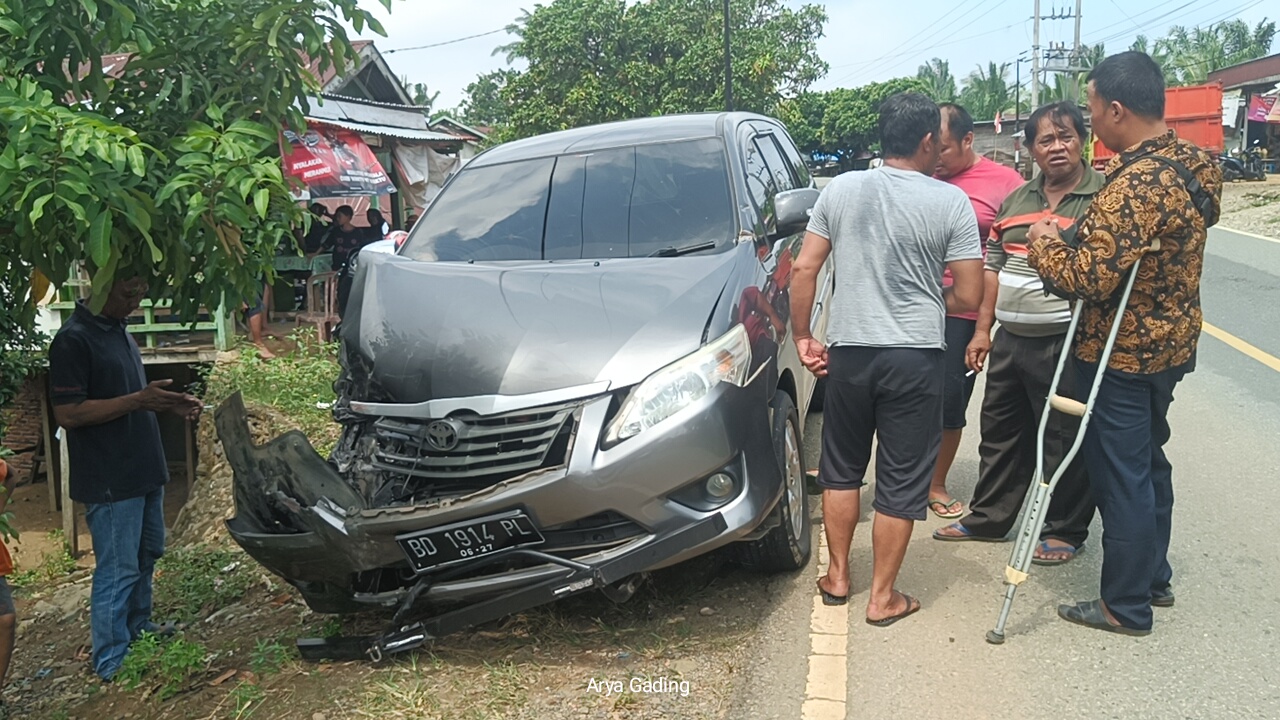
{"points": [[422, 97], [940, 84], [1159, 52], [512, 49], [986, 92], [1193, 54]]}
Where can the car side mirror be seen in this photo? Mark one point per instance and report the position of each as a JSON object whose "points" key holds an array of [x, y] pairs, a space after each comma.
{"points": [[793, 208]]}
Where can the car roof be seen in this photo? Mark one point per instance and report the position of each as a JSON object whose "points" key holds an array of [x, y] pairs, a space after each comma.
{"points": [[665, 128]]}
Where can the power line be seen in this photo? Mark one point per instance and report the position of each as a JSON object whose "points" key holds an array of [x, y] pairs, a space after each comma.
{"points": [[939, 33], [1126, 15], [446, 42], [938, 45], [909, 40]]}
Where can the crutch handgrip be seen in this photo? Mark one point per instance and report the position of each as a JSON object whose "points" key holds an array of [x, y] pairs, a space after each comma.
{"points": [[1155, 245], [1067, 405]]}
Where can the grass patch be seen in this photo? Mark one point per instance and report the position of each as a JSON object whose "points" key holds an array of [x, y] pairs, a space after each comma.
{"points": [[292, 383], [53, 566], [169, 664], [401, 693], [267, 657], [245, 700], [193, 582]]}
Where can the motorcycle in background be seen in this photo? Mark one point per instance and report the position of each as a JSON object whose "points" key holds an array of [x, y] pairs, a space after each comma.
{"points": [[1243, 166]]}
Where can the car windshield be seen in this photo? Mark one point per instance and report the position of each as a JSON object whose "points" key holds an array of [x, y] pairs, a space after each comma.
{"points": [[621, 202]]}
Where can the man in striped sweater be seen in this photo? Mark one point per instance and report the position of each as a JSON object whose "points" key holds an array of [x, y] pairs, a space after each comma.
{"points": [[1021, 358]]}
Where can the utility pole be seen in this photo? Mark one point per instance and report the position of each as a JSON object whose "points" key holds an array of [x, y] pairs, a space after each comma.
{"points": [[728, 62], [1077, 56], [1035, 59]]}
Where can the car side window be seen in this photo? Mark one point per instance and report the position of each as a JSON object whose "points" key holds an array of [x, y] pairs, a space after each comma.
{"points": [[759, 178], [779, 168], [798, 165]]}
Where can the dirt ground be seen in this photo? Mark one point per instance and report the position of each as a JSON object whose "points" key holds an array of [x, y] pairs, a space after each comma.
{"points": [[675, 650], [685, 631], [1253, 206]]}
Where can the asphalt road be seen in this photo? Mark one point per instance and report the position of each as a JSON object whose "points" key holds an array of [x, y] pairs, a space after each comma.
{"points": [[1213, 656]]}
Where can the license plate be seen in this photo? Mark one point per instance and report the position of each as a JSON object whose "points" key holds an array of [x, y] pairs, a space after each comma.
{"points": [[468, 540]]}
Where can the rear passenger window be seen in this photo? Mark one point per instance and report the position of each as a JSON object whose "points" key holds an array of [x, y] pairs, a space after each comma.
{"points": [[779, 168]]}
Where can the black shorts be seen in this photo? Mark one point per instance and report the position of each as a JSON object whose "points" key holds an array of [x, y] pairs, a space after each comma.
{"points": [[958, 388], [895, 395]]}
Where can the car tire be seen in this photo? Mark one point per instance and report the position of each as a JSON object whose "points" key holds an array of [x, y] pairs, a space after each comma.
{"points": [[787, 546]]}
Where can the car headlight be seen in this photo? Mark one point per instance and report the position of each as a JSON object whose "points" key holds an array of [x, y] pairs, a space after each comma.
{"points": [[682, 383]]}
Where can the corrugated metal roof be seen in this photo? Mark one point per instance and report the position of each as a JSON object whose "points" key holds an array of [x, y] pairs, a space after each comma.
{"points": [[390, 131], [381, 114], [1262, 71]]}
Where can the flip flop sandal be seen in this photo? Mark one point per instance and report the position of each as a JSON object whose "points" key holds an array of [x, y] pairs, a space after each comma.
{"points": [[1089, 614], [1163, 600], [831, 599], [1045, 547], [967, 536], [946, 514], [913, 606]]}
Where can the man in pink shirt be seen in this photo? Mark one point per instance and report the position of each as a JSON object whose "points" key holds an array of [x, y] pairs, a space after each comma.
{"points": [[987, 184]]}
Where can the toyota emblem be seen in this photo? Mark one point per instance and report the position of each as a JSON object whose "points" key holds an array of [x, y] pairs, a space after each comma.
{"points": [[442, 435]]}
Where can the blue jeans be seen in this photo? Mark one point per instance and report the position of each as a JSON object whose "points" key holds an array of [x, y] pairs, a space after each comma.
{"points": [[1132, 482], [128, 538]]}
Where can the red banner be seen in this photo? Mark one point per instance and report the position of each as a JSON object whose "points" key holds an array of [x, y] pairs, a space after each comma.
{"points": [[1263, 109], [333, 162]]}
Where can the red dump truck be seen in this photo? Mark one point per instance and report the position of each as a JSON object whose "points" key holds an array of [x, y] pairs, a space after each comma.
{"points": [[1194, 113]]}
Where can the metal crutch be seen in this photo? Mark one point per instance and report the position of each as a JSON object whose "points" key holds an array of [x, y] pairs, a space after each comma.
{"points": [[1015, 573]]}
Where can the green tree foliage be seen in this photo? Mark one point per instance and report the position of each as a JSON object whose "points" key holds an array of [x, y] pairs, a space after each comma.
{"points": [[1193, 54], [592, 61], [986, 91], [939, 83], [162, 163], [484, 104], [841, 123]]}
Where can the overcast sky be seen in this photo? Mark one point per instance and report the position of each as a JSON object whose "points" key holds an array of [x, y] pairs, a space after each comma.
{"points": [[864, 41]]}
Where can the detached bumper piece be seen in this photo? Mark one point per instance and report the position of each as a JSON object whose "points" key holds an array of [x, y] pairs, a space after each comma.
{"points": [[579, 578]]}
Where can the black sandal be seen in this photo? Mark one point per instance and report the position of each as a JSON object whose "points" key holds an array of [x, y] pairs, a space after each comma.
{"points": [[1090, 614], [829, 598], [913, 606]]}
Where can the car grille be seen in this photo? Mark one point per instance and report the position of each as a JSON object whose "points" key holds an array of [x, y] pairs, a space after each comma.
{"points": [[490, 448]]}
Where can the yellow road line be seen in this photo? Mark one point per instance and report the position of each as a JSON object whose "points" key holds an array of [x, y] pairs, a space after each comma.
{"points": [[1261, 356], [1255, 236]]}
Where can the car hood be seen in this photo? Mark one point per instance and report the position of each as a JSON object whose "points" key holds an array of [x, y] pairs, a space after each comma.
{"points": [[432, 330]]}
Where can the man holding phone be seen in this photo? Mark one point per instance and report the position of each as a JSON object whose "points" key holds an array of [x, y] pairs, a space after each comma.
{"points": [[106, 407]]}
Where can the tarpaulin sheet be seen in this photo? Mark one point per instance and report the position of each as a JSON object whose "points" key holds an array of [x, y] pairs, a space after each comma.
{"points": [[333, 162], [423, 171]]}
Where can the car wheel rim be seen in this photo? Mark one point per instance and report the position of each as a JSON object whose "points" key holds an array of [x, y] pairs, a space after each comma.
{"points": [[795, 483]]}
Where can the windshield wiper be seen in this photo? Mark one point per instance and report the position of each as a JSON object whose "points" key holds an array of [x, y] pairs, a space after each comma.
{"points": [[687, 249]]}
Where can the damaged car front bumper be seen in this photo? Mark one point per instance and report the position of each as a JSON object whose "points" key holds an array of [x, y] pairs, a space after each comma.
{"points": [[604, 513]]}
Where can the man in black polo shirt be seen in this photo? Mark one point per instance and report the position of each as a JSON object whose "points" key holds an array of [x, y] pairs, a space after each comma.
{"points": [[103, 401]]}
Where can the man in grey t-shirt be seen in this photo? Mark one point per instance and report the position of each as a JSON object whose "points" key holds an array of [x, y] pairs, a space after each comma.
{"points": [[890, 233]]}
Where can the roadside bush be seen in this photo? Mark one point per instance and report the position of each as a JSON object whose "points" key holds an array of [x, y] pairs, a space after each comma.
{"points": [[298, 383], [193, 582], [169, 664]]}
